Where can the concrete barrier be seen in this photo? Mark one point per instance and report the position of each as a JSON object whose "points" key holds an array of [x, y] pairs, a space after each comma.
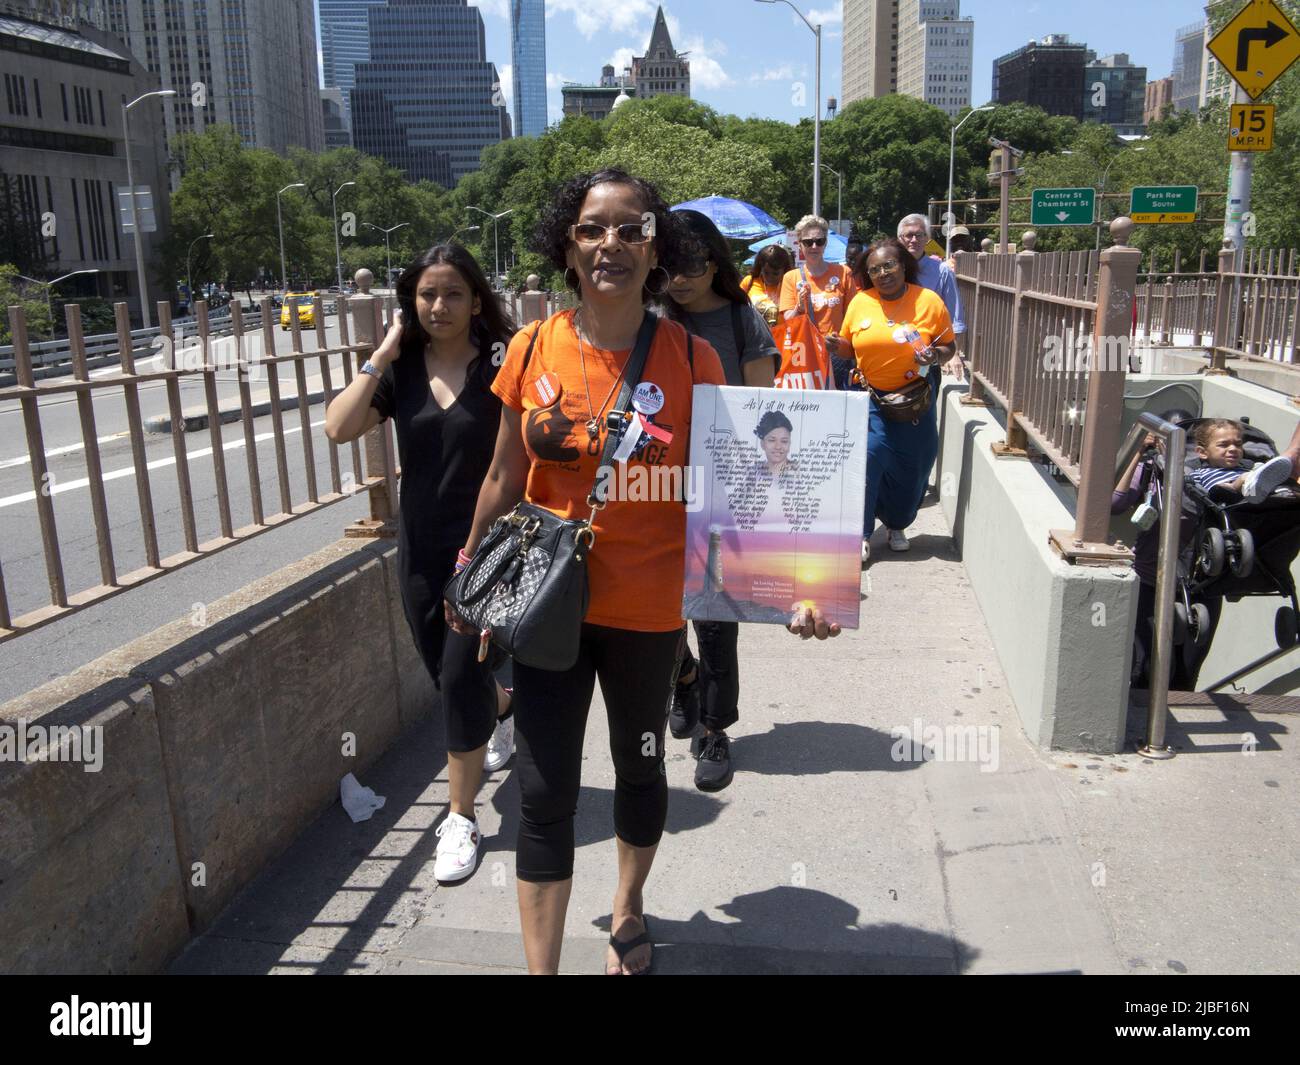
{"points": [[224, 735], [1063, 633]]}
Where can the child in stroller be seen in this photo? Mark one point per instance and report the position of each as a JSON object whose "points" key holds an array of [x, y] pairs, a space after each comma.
{"points": [[1247, 522]]}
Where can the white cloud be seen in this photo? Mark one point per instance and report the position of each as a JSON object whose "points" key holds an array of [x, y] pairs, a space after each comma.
{"points": [[827, 15], [498, 8], [785, 72], [706, 71], [624, 17], [506, 74], [557, 80]]}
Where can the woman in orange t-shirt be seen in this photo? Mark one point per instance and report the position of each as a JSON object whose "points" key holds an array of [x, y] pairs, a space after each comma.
{"points": [[618, 244], [763, 285], [900, 333]]}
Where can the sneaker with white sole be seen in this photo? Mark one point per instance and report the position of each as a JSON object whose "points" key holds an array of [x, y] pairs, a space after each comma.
{"points": [[898, 540], [866, 551], [1261, 481], [501, 747], [458, 843]]}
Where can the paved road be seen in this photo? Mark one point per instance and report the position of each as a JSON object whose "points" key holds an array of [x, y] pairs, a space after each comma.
{"points": [[59, 648]]}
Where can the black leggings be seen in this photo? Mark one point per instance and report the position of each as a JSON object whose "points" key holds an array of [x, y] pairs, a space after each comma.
{"points": [[719, 672], [636, 671]]}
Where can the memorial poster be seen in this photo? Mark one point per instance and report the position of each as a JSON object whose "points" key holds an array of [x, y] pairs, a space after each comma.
{"points": [[774, 520]]}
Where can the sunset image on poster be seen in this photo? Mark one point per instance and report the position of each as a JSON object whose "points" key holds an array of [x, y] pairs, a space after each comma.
{"points": [[775, 516]]}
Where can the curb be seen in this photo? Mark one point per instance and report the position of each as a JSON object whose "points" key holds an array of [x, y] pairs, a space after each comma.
{"points": [[192, 422]]}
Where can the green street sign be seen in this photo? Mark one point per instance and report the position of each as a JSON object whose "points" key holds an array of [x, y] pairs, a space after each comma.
{"points": [[1163, 204], [1063, 207]]}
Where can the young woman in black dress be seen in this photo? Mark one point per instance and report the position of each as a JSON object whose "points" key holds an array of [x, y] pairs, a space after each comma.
{"points": [[432, 375]]}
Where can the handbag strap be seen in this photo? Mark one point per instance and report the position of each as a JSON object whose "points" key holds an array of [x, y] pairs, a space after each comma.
{"points": [[631, 378]]}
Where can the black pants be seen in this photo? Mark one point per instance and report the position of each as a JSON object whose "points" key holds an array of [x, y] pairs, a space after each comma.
{"points": [[719, 674], [635, 670], [1187, 658]]}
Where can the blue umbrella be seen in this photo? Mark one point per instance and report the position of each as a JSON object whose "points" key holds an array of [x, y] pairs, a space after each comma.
{"points": [[734, 218], [836, 246]]}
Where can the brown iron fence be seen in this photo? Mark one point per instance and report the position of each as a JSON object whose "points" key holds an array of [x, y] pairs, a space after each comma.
{"points": [[1048, 340], [269, 506]]}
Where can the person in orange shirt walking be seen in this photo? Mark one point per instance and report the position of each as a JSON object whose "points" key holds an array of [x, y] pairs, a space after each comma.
{"points": [[828, 287], [763, 285]]}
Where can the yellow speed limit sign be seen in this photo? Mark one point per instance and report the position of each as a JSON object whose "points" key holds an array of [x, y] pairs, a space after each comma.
{"points": [[1250, 128]]}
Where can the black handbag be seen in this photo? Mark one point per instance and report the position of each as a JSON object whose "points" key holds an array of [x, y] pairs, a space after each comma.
{"points": [[907, 404], [526, 587]]}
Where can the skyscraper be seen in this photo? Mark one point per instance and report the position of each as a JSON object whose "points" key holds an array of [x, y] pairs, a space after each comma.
{"points": [[1046, 73], [935, 49], [661, 71], [344, 42], [920, 48], [1189, 58], [869, 53], [1122, 97], [249, 63], [427, 100], [528, 65]]}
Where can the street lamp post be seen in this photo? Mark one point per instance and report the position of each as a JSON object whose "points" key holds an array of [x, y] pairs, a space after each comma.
{"points": [[49, 288], [1101, 195], [952, 152], [189, 280], [496, 251], [279, 221], [817, 106], [839, 200], [388, 277], [463, 229], [135, 222], [338, 256]]}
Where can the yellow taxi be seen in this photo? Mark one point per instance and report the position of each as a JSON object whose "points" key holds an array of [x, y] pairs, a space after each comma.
{"points": [[302, 302]]}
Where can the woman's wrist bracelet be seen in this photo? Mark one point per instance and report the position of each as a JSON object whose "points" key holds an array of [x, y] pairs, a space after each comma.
{"points": [[463, 560]]}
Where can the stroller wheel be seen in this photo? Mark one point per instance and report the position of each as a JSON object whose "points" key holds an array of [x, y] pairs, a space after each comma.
{"points": [[1198, 625], [1243, 559], [1284, 627], [1180, 623], [1211, 554]]}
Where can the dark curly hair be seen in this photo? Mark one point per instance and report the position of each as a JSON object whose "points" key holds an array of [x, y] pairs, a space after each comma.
{"points": [[708, 244], [492, 325], [773, 419], [551, 238], [860, 274]]}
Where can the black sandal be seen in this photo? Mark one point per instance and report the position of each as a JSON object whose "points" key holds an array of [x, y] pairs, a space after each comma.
{"points": [[622, 948]]}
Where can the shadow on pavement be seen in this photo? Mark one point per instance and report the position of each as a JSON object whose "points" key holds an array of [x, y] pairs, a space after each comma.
{"points": [[805, 747], [769, 932]]}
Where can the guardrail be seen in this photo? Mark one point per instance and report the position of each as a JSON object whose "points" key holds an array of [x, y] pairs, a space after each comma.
{"points": [[59, 352], [84, 389], [1048, 340]]}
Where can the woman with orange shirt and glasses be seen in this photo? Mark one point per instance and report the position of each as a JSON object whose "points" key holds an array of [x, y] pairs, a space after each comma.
{"points": [[618, 244], [900, 333], [827, 286]]}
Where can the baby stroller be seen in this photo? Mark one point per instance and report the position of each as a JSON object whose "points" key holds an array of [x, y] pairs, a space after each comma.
{"points": [[1231, 547]]}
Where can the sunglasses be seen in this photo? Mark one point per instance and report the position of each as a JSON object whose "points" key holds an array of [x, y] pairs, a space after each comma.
{"points": [[813, 242], [919, 235], [591, 233], [694, 268], [887, 267]]}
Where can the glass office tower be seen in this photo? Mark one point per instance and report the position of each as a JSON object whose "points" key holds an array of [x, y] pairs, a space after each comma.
{"points": [[528, 59]]}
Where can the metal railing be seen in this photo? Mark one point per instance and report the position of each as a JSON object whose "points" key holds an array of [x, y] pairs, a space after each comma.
{"points": [[195, 542], [1048, 340]]}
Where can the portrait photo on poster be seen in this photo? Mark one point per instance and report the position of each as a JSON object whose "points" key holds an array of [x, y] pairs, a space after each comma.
{"points": [[775, 521]]}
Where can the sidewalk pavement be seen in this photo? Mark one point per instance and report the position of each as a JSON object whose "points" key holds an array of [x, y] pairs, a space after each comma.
{"points": [[826, 855]]}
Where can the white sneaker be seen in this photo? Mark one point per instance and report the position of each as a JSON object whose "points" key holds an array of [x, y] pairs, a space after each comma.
{"points": [[1261, 481], [898, 540], [866, 551], [458, 843], [501, 747]]}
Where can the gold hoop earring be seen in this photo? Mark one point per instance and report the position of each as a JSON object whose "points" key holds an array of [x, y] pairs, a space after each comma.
{"points": [[668, 278]]}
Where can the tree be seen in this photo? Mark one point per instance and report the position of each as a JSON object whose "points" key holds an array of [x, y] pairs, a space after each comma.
{"points": [[15, 292]]}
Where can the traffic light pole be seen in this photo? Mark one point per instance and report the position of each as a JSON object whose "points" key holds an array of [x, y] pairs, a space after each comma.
{"points": [[1241, 169]]}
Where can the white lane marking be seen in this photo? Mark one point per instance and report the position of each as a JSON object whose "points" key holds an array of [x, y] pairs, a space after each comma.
{"points": [[57, 487], [50, 452], [108, 371]]}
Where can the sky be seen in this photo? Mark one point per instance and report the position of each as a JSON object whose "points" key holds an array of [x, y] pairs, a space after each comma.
{"points": [[747, 58]]}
